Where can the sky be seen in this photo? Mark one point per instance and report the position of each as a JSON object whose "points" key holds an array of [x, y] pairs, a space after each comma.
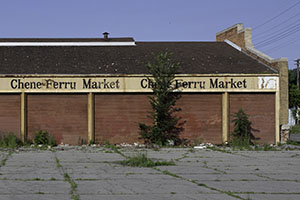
{"points": [[275, 23]]}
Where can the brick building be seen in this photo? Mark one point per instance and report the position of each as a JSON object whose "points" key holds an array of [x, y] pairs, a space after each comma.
{"points": [[95, 89]]}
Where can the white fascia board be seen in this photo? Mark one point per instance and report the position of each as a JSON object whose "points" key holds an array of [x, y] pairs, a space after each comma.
{"points": [[67, 44], [233, 45]]}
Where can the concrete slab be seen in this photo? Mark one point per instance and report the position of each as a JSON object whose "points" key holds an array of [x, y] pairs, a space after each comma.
{"points": [[270, 196], [249, 174], [36, 197], [256, 186], [15, 187], [137, 186], [159, 197]]}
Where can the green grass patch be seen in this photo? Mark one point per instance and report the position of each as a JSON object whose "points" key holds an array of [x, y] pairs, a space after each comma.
{"points": [[295, 129], [141, 160], [293, 142]]}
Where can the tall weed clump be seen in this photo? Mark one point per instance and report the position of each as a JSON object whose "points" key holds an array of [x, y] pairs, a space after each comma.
{"points": [[42, 137], [242, 133], [10, 141]]}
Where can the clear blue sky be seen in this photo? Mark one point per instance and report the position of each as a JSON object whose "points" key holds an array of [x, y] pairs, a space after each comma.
{"points": [[156, 20]]}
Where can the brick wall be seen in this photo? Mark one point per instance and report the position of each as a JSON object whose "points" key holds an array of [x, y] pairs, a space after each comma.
{"points": [[233, 35], [117, 117], [261, 110], [10, 114], [203, 116], [63, 115]]}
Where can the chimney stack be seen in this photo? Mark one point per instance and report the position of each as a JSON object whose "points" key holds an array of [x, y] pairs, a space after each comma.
{"points": [[105, 34]]}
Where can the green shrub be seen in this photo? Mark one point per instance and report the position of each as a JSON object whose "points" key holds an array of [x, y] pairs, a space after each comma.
{"points": [[10, 141], [242, 136], [43, 138]]}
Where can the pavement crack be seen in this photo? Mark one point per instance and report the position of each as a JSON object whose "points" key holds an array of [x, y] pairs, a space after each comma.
{"points": [[67, 178], [215, 169], [166, 172], [276, 179], [3, 162]]}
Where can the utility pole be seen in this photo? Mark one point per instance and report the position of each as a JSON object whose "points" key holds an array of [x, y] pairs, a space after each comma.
{"points": [[297, 63]]}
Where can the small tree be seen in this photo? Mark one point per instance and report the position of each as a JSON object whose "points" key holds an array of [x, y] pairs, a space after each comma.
{"points": [[242, 134], [165, 126]]}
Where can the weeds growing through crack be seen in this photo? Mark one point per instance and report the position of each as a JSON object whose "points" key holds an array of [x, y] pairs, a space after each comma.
{"points": [[141, 160], [3, 162], [67, 178]]}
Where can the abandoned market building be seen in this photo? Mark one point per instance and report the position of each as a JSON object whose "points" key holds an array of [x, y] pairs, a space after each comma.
{"points": [[82, 90]]}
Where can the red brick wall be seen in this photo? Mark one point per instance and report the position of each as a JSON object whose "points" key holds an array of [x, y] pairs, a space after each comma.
{"points": [[203, 115], [233, 36], [10, 114], [63, 115], [117, 117], [261, 110]]}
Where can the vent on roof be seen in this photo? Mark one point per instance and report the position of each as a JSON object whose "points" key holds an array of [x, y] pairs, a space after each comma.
{"points": [[105, 34]]}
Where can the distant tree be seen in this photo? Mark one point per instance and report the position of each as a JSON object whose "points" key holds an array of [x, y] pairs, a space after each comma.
{"points": [[166, 126], [294, 95]]}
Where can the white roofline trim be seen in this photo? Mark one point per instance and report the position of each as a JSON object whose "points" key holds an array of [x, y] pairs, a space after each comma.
{"points": [[233, 45], [67, 44]]}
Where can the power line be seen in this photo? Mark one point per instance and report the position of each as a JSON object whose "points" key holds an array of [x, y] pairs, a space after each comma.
{"points": [[274, 27], [279, 36], [278, 47], [256, 27]]}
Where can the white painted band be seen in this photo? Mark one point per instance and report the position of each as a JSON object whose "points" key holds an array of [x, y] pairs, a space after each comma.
{"points": [[67, 43]]}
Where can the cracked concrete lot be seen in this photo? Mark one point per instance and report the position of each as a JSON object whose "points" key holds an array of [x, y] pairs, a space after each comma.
{"points": [[93, 173]]}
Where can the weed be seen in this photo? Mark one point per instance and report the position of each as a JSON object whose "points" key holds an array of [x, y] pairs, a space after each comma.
{"points": [[156, 149], [192, 150], [43, 138], [39, 193], [269, 148], [75, 197], [166, 172], [52, 179], [10, 141], [293, 142], [58, 163], [242, 133], [73, 186], [3, 162], [218, 149], [38, 179], [141, 160], [112, 147]]}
